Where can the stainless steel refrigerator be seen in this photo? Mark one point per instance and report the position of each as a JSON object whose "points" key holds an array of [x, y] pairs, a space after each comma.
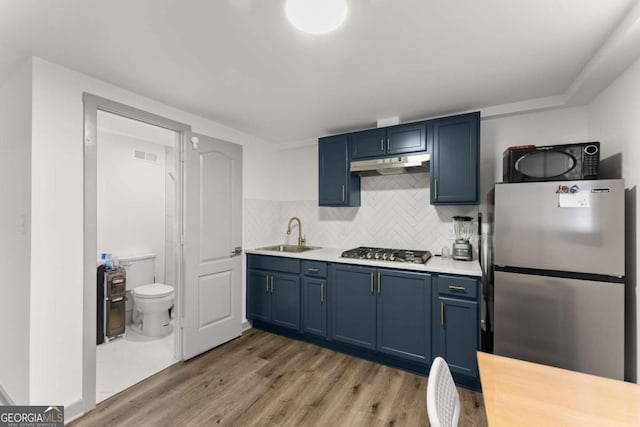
{"points": [[559, 274]]}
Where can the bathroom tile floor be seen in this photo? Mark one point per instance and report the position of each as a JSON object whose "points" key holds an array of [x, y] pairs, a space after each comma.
{"points": [[126, 361]]}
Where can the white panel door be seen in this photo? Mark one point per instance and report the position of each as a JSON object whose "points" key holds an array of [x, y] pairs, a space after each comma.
{"points": [[213, 230]]}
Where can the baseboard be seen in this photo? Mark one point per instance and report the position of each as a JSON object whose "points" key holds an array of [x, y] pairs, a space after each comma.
{"points": [[73, 411], [5, 396], [246, 326]]}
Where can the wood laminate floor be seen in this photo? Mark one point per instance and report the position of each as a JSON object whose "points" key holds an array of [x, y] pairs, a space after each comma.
{"points": [[262, 379]]}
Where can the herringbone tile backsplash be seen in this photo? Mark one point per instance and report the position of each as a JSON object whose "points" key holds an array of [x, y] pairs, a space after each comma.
{"points": [[395, 213]]}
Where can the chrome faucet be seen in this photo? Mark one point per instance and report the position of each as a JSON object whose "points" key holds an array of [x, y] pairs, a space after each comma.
{"points": [[301, 239]]}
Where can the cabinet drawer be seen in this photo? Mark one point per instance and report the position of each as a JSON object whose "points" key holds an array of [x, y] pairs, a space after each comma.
{"points": [[314, 268], [274, 263], [458, 286]]}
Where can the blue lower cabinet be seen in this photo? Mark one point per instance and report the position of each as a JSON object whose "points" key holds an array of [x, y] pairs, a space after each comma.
{"points": [[458, 334], [273, 296], [285, 300], [258, 295], [404, 311], [382, 309], [353, 305], [314, 306]]}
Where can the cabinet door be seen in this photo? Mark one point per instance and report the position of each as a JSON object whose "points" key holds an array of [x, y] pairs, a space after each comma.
{"points": [[314, 306], [285, 300], [454, 163], [407, 138], [404, 311], [337, 187], [353, 305], [458, 334], [258, 295], [368, 143]]}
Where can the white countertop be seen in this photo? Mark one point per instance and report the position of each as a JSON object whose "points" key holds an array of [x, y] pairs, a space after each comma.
{"points": [[435, 264]]}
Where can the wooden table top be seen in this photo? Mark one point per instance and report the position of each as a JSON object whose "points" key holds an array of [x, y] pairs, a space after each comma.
{"points": [[518, 393]]}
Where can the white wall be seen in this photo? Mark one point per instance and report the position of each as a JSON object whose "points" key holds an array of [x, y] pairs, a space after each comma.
{"points": [[131, 199], [296, 174], [614, 120], [15, 240], [57, 194]]}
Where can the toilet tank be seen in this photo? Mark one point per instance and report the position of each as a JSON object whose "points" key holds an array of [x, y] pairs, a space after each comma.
{"points": [[140, 269]]}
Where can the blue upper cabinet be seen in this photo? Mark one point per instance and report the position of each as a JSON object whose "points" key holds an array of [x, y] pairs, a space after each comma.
{"points": [[369, 143], [455, 145], [407, 138], [388, 141], [337, 187]]}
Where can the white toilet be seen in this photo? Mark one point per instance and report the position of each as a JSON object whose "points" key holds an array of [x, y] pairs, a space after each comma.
{"points": [[152, 300]]}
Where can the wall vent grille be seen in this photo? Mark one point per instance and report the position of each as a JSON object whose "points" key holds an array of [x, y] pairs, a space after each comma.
{"points": [[141, 155]]}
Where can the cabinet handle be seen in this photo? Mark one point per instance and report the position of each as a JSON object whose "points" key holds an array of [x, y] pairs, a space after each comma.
{"points": [[435, 189], [343, 193], [312, 270], [378, 283], [271, 283], [441, 314], [267, 283], [382, 145], [388, 144], [372, 283], [321, 292], [457, 288]]}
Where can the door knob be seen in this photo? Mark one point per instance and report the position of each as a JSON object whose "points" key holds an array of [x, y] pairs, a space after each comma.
{"points": [[236, 251]]}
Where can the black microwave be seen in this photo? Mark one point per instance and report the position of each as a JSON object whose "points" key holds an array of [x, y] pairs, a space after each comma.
{"points": [[551, 163]]}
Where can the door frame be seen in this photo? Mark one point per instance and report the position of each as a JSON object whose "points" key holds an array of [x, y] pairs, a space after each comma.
{"points": [[91, 105]]}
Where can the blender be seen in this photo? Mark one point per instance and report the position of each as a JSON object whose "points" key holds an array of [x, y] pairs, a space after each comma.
{"points": [[463, 229]]}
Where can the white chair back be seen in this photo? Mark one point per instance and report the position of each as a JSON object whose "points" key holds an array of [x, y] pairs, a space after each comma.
{"points": [[443, 401]]}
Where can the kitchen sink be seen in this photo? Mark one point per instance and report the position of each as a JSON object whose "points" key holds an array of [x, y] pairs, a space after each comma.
{"points": [[288, 248]]}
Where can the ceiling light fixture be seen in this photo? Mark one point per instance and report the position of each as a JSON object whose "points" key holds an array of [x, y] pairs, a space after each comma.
{"points": [[316, 16]]}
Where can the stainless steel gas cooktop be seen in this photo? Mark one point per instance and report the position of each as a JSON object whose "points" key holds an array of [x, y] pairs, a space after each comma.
{"points": [[382, 254]]}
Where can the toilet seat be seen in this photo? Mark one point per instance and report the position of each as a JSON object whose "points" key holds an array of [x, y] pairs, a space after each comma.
{"points": [[154, 290]]}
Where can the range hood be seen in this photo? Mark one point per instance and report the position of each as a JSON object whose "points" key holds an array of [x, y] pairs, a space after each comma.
{"points": [[391, 165]]}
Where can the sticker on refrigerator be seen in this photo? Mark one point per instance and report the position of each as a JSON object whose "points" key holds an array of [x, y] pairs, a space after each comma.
{"points": [[579, 199]]}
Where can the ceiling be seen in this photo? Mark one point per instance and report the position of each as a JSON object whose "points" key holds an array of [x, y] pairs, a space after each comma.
{"points": [[239, 63]]}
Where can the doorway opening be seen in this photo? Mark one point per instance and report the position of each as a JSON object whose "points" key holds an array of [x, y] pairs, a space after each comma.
{"points": [[133, 211], [203, 240], [136, 243]]}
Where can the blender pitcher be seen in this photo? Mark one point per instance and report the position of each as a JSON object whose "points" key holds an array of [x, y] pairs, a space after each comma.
{"points": [[463, 229]]}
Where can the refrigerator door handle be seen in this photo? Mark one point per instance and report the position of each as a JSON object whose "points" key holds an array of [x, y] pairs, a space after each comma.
{"points": [[560, 274]]}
